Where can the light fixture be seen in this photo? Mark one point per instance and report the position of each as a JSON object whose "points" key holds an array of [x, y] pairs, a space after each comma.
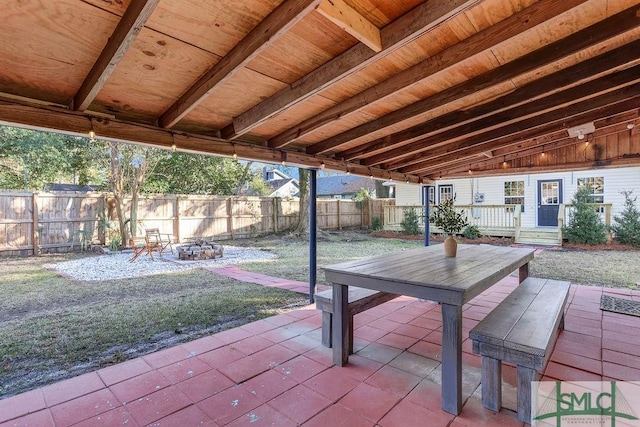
{"points": [[370, 173], [630, 125], [581, 131], [235, 155], [406, 179], [322, 165], [283, 157], [543, 153], [504, 161], [173, 143]]}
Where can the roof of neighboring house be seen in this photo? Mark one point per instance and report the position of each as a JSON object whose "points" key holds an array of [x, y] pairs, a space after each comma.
{"points": [[275, 184], [72, 187], [343, 184]]}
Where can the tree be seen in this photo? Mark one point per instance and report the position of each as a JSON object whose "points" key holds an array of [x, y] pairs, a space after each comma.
{"points": [[626, 226], [30, 159], [584, 225], [303, 218], [130, 166]]}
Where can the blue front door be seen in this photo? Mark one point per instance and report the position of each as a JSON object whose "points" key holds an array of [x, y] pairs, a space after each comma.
{"points": [[549, 200]]}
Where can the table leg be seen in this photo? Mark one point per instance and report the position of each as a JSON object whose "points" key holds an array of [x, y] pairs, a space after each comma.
{"points": [[523, 272], [340, 327], [451, 358]]}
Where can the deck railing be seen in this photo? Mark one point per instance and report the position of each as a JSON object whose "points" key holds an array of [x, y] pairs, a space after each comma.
{"points": [[498, 220]]}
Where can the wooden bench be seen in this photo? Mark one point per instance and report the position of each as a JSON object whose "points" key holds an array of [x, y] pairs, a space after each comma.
{"points": [[521, 330], [359, 301]]}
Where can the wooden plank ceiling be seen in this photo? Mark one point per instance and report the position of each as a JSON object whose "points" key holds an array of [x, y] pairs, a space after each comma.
{"points": [[403, 89]]}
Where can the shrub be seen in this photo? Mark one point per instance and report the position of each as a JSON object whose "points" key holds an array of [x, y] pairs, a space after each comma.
{"points": [[627, 225], [410, 223], [445, 217], [376, 224], [584, 225], [471, 232]]}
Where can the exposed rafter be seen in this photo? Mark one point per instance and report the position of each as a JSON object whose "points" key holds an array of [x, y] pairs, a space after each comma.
{"points": [[450, 125], [394, 36], [617, 102], [347, 18], [524, 20], [601, 31], [285, 16], [120, 41]]}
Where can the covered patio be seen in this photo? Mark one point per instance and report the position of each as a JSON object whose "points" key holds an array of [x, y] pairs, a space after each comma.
{"points": [[275, 372], [395, 90]]}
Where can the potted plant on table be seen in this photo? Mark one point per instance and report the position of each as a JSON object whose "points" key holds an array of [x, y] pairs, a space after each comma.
{"points": [[451, 222]]}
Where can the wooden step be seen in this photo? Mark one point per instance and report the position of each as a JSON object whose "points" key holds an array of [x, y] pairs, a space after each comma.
{"points": [[538, 237]]}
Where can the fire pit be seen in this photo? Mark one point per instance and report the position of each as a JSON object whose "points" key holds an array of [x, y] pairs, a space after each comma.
{"points": [[200, 249]]}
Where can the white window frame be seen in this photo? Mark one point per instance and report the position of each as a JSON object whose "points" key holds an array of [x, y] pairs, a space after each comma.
{"points": [[432, 194], [590, 182], [444, 190], [511, 196]]}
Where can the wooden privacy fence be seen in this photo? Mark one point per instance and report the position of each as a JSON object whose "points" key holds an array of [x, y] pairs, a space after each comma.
{"points": [[31, 222]]}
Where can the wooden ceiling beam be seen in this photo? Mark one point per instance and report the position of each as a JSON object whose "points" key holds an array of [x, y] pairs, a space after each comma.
{"points": [[535, 146], [629, 160], [576, 42], [347, 18], [542, 108], [612, 103], [40, 117], [395, 35], [450, 125], [270, 29], [524, 20], [132, 21]]}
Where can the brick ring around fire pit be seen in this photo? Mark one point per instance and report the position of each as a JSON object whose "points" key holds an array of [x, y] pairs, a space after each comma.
{"points": [[200, 249]]}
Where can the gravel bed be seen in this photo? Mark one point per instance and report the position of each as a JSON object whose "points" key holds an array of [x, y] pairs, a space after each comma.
{"points": [[117, 266]]}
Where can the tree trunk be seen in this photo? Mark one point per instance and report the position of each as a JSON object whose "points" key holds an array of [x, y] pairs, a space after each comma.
{"points": [[303, 217]]}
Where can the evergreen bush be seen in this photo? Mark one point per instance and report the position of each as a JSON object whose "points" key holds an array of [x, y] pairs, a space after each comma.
{"points": [[409, 223], [376, 223], [626, 226], [471, 232], [584, 225]]}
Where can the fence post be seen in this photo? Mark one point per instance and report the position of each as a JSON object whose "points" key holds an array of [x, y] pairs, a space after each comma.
{"points": [[339, 216], [35, 232], [275, 214], [176, 219], [230, 217]]}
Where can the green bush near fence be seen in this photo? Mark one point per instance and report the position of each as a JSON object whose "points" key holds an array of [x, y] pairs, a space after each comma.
{"points": [[409, 223]]}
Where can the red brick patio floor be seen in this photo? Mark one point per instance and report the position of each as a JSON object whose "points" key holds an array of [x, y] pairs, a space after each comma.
{"points": [[275, 372]]}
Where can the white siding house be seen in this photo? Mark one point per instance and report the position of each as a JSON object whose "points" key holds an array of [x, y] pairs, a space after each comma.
{"points": [[540, 195]]}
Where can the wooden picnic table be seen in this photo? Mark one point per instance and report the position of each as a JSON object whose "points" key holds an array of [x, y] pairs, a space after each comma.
{"points": [[426, 273]]}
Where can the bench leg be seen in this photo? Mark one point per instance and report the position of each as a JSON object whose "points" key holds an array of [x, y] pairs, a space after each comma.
{"points": [[326, 328], [491, 383], [525, 377]]}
